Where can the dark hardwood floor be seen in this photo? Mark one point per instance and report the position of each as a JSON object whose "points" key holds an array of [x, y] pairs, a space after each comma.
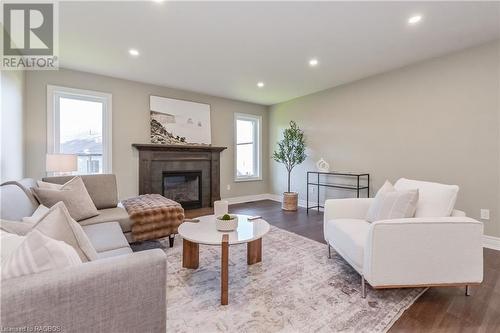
{"points": [[437, 310]]}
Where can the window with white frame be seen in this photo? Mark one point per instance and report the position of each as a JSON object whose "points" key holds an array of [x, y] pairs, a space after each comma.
{"points": [[248, 147], [79, 122]]}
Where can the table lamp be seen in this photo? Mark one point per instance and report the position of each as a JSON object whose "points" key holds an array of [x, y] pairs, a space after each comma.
{"points": [[61, 163]]}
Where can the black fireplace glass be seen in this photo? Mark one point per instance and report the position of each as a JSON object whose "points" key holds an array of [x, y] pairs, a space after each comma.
{"points": [[183, 187]]}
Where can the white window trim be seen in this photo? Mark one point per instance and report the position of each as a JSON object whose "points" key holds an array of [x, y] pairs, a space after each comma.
{"points": [[52, 90], [258, 145]]}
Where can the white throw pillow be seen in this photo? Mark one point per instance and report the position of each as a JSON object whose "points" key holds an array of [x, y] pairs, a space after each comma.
{"points": [[59, 225], [38, 253], [37, 215], [435, 200], [9, 243], [387, 187], [393, 205]]}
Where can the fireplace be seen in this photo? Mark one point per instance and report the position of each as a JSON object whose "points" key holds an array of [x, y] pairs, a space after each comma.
{"points": [[183, 187], [189, 174]]}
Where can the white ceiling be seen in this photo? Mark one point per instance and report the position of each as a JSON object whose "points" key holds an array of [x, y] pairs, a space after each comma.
{"points": [[225, 48]]}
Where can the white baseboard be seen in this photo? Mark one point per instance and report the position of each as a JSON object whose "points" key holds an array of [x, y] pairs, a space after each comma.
{"points": [[265, 196], [275, 197], [491, 242], [248, 198], [301, 203]]}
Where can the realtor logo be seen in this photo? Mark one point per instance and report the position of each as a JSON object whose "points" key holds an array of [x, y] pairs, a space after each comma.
{"points": [[29, 36]]}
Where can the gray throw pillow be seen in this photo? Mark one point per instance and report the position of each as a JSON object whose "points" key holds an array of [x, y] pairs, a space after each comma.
{"points": [[74, 195]]}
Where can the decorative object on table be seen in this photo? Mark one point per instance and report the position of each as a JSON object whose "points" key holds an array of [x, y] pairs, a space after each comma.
{"points": [[226, 222], [322, 165], [362, 183], [221, 207], [154, 216], [174, 121], [61, 164], [291, 152]]}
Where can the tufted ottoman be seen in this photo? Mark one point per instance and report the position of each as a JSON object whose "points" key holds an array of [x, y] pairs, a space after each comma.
{"points": [[154, 216]]}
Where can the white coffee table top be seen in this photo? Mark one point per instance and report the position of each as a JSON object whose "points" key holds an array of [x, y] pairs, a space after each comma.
{"points": [[204, 232]]}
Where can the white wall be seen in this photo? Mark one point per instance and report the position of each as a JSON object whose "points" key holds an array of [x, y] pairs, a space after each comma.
{"points": [[131, 125], [12, 144], [437, 120]]}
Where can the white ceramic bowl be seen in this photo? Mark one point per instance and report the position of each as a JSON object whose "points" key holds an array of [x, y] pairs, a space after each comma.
{"points": [[226, 225]]}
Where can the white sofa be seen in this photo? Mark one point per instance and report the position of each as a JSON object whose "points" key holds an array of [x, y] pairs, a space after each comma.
{"points": [[409, 252]]}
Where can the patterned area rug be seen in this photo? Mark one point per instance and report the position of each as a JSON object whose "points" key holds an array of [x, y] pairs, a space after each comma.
{"points": [[296, 288]]}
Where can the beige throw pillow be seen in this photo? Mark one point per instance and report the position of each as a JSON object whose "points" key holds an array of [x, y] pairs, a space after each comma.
{"points": [[16, 227], [37, 215], [42, 184], [38, 253], [73, 194], [59, 225], [391, 204]]}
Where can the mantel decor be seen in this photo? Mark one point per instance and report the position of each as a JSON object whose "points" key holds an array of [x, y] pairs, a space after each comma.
{"points": [[158, 160]]}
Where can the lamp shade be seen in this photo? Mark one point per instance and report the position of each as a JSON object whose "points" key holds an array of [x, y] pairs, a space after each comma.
{"points": [[61, 163]]}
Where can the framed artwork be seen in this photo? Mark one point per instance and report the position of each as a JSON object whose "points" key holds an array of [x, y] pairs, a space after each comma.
{"points": [[175, 121]]}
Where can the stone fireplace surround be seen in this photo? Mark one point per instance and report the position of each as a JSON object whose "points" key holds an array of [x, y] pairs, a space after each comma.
{"points": [[155, 159]]}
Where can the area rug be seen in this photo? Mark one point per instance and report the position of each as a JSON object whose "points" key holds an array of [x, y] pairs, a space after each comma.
{"points": [[296, 288]]}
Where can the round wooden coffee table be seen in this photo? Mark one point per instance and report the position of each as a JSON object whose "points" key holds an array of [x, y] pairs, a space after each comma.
{"points": [[205, 232]]}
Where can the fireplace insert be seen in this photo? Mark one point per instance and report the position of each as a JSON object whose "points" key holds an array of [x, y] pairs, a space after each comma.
{"points": [[183, 187]]}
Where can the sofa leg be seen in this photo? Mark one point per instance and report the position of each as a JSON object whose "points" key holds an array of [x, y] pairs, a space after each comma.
{"points": [[171, 240], [467, 290], [329, 252], [363, 287]]}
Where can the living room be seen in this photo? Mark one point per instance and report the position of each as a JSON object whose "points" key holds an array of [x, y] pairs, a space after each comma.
{"points": [[354, 147]]}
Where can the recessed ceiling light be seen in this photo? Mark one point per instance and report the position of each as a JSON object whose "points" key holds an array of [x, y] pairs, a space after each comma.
{"points": [[313, 62], [158, 1], [260, 84], [133, 52], [415, 19]]}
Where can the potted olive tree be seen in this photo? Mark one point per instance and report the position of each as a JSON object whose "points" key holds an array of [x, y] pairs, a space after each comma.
{"points": [[291, 152]]}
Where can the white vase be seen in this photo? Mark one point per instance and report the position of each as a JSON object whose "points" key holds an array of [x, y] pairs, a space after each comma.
{"points": [[220, 207]]}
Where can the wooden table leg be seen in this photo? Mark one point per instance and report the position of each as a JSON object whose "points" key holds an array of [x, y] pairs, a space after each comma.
{"points": [[224, 276], [254, 251], [190, 254]]}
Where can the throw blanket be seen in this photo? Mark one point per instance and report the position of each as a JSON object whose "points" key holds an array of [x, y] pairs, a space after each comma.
{"points": [[154, 216]]}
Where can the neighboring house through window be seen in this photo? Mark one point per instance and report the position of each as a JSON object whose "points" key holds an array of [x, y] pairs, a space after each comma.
{"points": [[79, 122], [248, 147]]}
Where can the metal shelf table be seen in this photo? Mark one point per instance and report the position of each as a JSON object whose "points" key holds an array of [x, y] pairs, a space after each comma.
{"points": [[362, 183]]}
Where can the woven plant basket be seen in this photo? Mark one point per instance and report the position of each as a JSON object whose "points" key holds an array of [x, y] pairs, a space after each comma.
{"points": [[290, 201]]}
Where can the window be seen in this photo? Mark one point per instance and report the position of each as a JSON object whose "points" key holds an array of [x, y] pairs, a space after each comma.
{"points": [[79, 122], [248, 147]]}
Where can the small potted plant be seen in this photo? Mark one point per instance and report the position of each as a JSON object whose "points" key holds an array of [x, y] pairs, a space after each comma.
{"points": [[291, 152], [226, 222]]}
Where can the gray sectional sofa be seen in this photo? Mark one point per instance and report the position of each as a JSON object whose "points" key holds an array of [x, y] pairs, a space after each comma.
{"points": [[122, 291], [103, 191]]}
